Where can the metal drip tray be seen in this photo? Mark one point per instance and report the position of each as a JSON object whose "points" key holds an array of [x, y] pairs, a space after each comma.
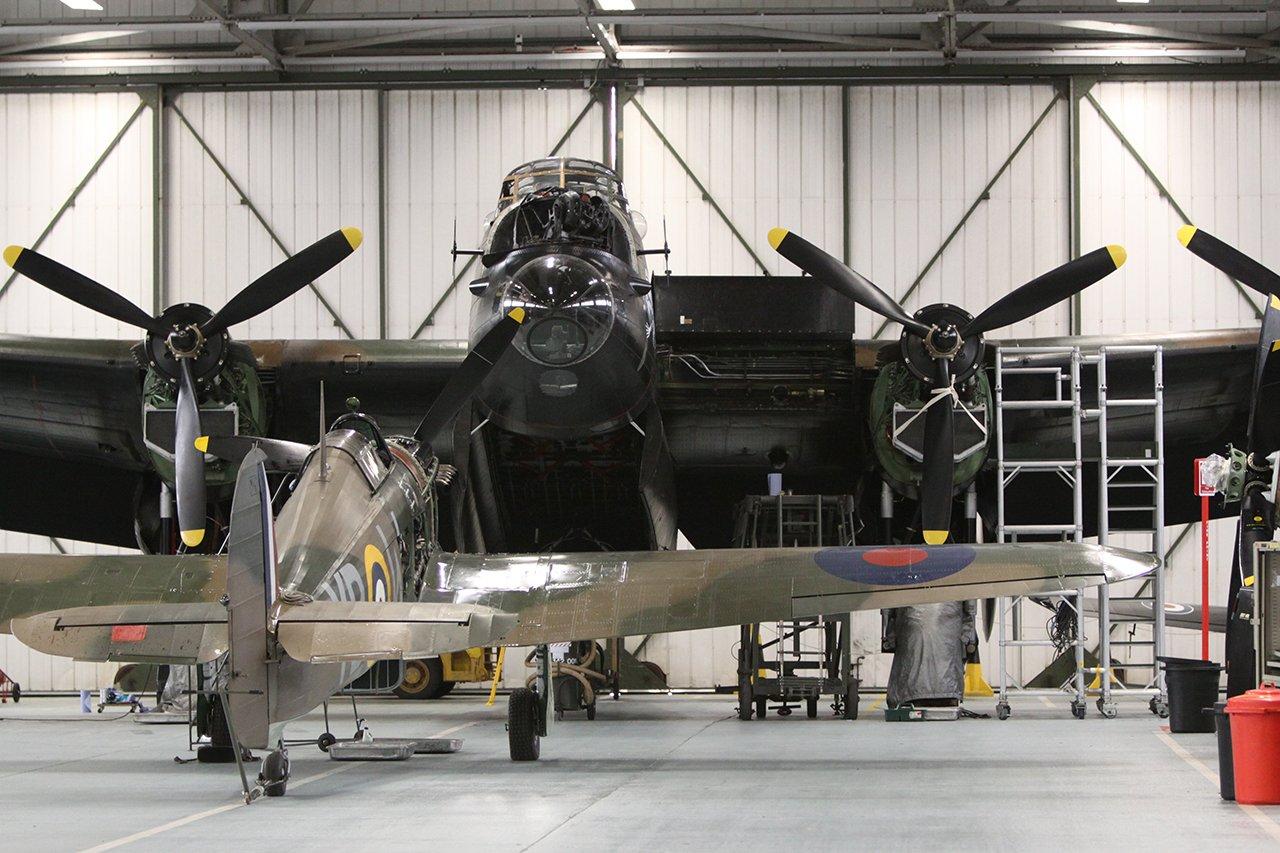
{"points": [[392, 749]]}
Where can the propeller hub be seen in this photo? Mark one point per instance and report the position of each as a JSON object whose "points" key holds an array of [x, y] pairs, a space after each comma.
{"points": [[942, 341], [206, 354]]}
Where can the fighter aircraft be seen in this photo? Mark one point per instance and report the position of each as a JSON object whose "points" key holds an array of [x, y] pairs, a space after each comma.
{"points": [[349, 573]]}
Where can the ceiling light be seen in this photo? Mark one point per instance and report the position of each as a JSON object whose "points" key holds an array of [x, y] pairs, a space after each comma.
{"points": [[616, 5], [83, 5], [1134, 1]]}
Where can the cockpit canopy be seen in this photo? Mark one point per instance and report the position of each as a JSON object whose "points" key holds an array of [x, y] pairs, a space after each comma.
{"points": [[563, 200]]}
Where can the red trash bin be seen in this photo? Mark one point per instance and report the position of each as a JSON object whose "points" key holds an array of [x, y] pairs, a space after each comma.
{"points": [[1255, 745]]}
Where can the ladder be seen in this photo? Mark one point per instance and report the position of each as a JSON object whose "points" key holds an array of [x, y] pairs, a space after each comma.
{"points": [[1046, 378], [1131, 502]]}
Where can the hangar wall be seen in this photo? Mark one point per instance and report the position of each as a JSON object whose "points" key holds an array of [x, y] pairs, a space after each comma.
{"points": [[918, 160]]}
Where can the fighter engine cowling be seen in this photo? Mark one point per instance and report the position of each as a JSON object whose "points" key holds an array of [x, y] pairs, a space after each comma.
{"points": [[582, 362]]}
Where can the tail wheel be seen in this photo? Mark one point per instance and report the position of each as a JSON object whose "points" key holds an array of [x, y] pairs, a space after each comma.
{"points": [[423, 679], [523, 721]]}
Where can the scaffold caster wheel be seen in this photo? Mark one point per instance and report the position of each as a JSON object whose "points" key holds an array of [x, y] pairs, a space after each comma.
{"points": [[1002, 710], [784, 711], [1158, 707], [1107, 709], [1077, 710]]}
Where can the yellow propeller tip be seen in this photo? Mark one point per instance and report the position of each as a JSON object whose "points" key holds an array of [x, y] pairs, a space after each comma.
{"points": [[1118, 255], [516, 314], [935, 537], [192, 538], [354, 236], [202, 444], [776, 236], [1185, 233], [11, 254]]}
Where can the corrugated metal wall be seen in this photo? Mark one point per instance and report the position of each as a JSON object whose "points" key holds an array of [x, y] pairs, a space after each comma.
{"points": [[917, 159]]}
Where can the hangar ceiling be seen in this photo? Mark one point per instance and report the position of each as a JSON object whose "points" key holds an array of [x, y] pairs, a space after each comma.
{"points": [[288, 37]]}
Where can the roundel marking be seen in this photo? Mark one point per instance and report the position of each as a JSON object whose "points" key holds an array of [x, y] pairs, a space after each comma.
{"points": [[1176, 609], [895, 566], [376, 573]]}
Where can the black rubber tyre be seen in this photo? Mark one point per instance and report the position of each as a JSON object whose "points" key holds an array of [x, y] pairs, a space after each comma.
{"points": [[215, 754], [325, 741], [423, 679], [851, 705], [784, 711], [762, 708], [446, 687], [1002, 711], [811, 708], [523, 714], [1078, 710], [275, 773], [16, 693], [591, 711]]}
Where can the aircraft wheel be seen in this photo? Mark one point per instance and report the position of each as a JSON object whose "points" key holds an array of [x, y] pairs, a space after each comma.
{"points": [[16, 693], [1002, 711], [522, 725], [275, 773], [325, 741], [811, 708], [762, 708], [423, 679]]}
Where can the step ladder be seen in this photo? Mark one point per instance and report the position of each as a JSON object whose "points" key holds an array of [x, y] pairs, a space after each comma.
{"points": [[1131, 505], [1037, 379]]}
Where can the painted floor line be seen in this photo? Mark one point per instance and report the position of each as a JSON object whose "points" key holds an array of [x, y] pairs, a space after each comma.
{"points": [[192, 818], [1261, 818]]}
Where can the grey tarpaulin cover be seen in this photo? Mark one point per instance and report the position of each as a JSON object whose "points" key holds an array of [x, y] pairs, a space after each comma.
{"points": [[929, 643]]}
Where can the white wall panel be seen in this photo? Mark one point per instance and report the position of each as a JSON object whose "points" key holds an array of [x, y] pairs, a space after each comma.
{"points": [[448, 154], [50, 141], [919, 157], [309, 162], [1213, 146]]}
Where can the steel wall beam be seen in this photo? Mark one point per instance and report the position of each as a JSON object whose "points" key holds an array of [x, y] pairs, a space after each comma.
{"points": [[681, 76], [257, 214], [846, 195], [706, 194], [75, 192], [1075, 91], [382, 213], [159, 198], [430, 319], [1160, 187], [977, 202]]}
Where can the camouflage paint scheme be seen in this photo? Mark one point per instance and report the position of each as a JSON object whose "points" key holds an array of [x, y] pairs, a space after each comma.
{"points": [[358, 581]]}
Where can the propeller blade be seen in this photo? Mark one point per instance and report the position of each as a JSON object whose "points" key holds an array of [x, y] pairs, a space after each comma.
{"points": [[285, 279], [79, 288], [938, 469], [1229, 259], [467, 378], [1048, 289], [282, 455], [188, 463], [841, 278]]}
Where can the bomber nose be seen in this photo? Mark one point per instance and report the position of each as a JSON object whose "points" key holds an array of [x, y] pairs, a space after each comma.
{"points": [[570, 305]]}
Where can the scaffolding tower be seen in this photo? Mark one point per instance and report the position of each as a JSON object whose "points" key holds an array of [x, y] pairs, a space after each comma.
{"points": [[1130, 474], [1040, 388]]}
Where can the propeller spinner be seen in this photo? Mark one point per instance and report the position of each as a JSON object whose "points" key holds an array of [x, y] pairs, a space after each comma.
{"points": [[186, 343], [943, 345]]}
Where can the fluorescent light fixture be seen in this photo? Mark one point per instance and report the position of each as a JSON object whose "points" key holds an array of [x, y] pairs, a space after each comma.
{"points": [[1140, 2], [609, 5], [83, 5]]}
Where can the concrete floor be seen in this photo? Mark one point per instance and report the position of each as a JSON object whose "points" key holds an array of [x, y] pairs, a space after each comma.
{"points": [[652, 772]]}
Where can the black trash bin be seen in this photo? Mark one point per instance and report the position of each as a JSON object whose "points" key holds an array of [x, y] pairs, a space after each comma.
{"points": [[1226, 770], [1193, 687]]}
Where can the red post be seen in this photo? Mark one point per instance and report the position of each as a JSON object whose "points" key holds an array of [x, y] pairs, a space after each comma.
{"points": [[1204, 577]]}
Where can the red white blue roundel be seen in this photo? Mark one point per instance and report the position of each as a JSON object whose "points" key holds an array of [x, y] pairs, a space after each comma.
{"points": [[893, 565]]}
